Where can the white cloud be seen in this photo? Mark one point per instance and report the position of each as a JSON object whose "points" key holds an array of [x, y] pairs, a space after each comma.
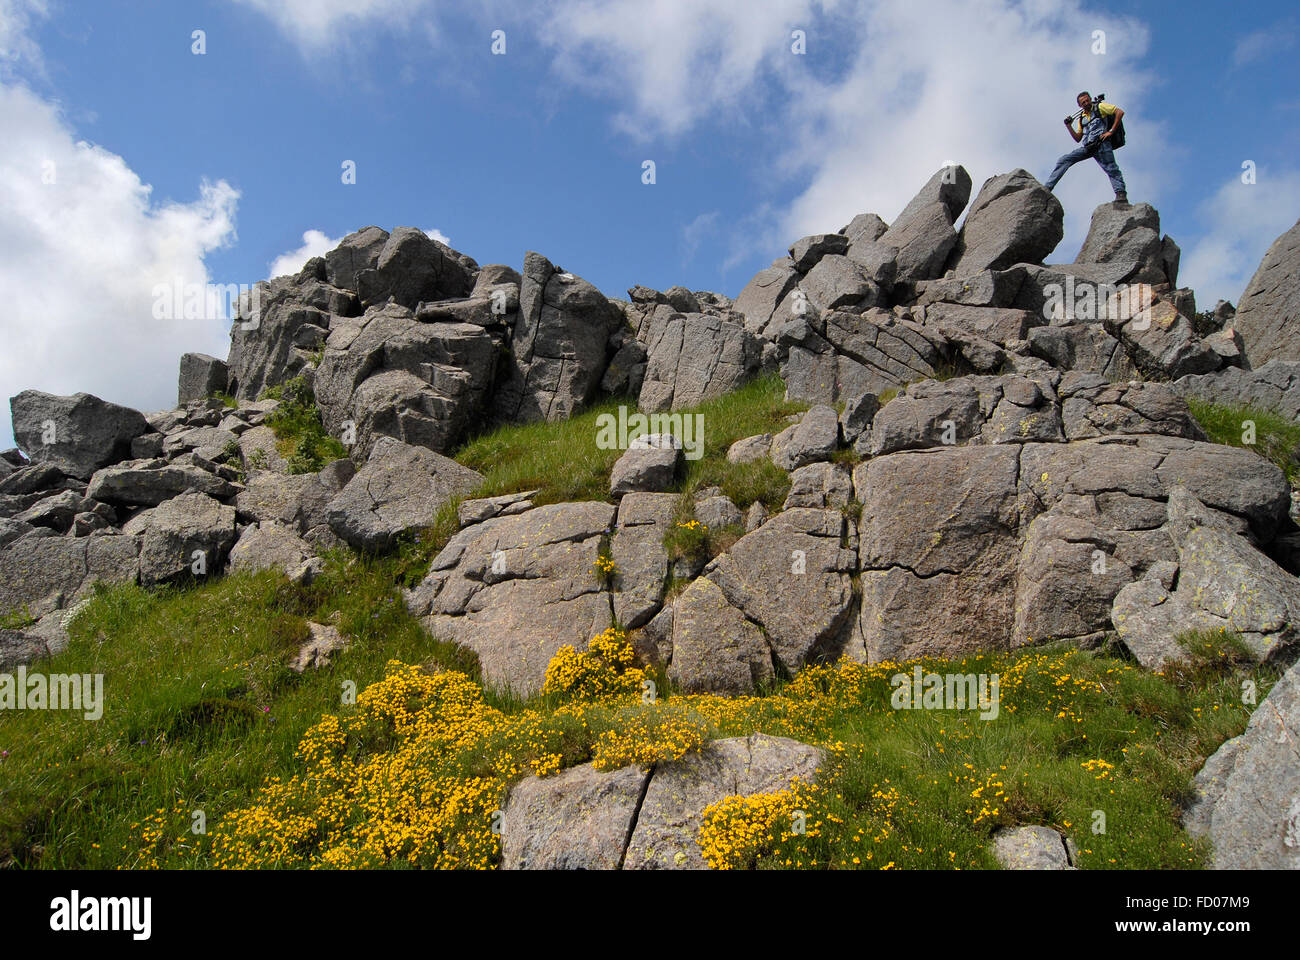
{"points": [[314, 244], [888, 92], [1241, 221], [17, 49], [1263, 44], [319, 25], [436, 234], [79, 258]]}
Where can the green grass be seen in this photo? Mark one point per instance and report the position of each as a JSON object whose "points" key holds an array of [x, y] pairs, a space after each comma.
{"points": [[297, 425], [1276, 439], [199, 705]]}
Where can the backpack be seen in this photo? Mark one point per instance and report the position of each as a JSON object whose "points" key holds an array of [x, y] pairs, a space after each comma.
{"points": [[1117, 138]]}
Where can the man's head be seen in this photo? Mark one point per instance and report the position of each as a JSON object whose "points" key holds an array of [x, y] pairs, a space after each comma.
{"points": [[1084, 100]]}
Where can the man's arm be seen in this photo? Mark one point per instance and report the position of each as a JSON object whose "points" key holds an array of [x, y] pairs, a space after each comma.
{"points": [[1119, 115], [1069, 126]]}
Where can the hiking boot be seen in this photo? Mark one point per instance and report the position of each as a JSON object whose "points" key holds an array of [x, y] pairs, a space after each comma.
{"points": [[1121, 198]]}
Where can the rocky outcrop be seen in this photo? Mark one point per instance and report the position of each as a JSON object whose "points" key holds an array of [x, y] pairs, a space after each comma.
{"points": [[637, 818], [77, 434], [1266, 314], [514, 589], [1248, 793], [560, 345], [1014, 219], [399, 490]]}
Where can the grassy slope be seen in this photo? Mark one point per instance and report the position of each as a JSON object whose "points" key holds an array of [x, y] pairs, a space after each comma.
{"points": [[201, 708]]}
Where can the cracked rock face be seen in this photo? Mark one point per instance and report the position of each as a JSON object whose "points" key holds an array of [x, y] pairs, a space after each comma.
{"points": [[1267, 313], [792, 577], [694, 357], [560, 344], [639, 818], [1034, 848], [1249, 791], [515, 589], [399, 489], [43, 572]]}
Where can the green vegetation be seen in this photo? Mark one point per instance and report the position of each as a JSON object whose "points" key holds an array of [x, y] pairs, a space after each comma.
{"points": [[301, 436], [1275, 438]]}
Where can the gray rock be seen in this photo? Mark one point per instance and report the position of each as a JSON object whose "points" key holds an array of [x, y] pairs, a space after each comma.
{"points": [[1000, 325], [516, 589], [259, 449], [1014, 219], [399, 490], [649, 465], [865, 227], [758, 302], [1274, 386], [1033, 848], [271, 545], [578, 819], [45, 573], [667, 828], [640, 558], [793, 579], [838, 282], [717, 512], [1254, 810], [412, 267], [1270, 303], [356, 252], [859, 413], [695, 357], [750, 449], [149, 483], [820, 485], [476, 511], [1093, 407], [807, 252], [923, 232], [559, 347], [1084, 347], [200, 377], [84, 433], [1126, 233], [715, 649], [187, 535], [814, 438]]}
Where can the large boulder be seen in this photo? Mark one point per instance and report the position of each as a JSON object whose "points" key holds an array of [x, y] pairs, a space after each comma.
{"points": [[560, 345], [200, 377], [923, 232], [399, 490], [1128, 233], [639, 818], [758, 302], [411, 267], [388, 374], [356, 252], [1249, 791], [1273, 386], [579, 819], [514, 589], [78, 434], [1014, 219], [666, 835], [278, 327], [793, 578], [715, 649], [150, 482], [1266, 315], [41, 572], [187, 535], [648, 466], [694, 357], [640, 558]]}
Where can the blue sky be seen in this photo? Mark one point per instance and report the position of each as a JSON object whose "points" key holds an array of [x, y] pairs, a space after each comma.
{"points": [[212, 167]]}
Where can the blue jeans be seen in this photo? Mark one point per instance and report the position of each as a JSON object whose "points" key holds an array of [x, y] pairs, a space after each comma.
{"points": [[1105, 155]]}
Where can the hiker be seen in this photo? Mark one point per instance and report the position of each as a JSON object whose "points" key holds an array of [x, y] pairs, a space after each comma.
{"points": [[1097, 121]]}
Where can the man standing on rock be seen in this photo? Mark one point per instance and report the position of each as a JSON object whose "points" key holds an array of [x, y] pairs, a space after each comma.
{"points": [[1097, 121]]}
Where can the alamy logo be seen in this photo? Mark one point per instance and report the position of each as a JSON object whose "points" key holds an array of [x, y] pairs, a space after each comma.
{"points": [[949, 691], [179, 300], [57, 691], [105, 914], [615, 433]]}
